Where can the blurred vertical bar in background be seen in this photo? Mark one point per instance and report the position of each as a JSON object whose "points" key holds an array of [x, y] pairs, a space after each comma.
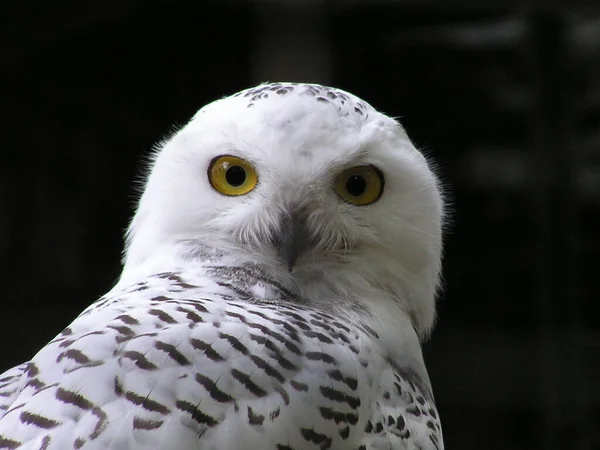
{"points": [[553, 201], [292, 43], [584, 52]]}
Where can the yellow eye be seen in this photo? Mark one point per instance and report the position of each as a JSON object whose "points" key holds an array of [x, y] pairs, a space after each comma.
{"points": [[360, 185], [232, 176]]}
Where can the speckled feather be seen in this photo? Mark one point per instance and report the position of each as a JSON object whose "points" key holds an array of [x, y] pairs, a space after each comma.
{"points": [[218, 373], [204, 348]]}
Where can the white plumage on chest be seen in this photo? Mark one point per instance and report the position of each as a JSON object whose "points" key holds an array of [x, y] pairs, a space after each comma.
{"points": [[175, 358]]}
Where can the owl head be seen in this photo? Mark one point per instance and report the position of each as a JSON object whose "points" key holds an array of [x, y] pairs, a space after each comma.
{"points": [[309, 183]]}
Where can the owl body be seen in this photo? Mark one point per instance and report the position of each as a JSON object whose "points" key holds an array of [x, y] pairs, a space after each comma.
{"points": [[277, 309]]}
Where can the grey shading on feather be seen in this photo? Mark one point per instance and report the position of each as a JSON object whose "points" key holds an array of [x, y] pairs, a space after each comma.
{"points": [[344, 103]]}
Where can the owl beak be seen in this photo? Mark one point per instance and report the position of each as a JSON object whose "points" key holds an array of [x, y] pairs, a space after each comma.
{"points": [[294, 240]]}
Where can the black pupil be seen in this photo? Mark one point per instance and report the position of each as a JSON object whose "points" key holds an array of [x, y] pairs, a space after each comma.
{"points": [[235, 176], [356, 185]]}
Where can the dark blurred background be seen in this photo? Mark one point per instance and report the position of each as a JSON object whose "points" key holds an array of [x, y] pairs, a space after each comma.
{"points": [[504, 95]]}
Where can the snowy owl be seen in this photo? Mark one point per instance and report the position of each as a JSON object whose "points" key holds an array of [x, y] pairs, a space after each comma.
{"points": [[280, 274]]}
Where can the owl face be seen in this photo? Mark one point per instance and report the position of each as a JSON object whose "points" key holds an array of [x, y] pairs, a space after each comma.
{"points": [[314, 191]]}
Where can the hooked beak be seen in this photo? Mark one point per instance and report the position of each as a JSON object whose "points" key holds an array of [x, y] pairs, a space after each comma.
{"points": [[294, 240]]}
